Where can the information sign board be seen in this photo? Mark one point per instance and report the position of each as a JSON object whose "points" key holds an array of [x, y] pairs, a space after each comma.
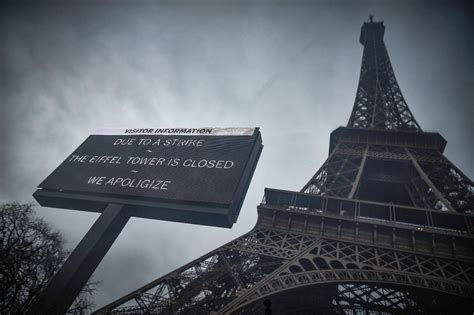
{"points": [[194, 175]]}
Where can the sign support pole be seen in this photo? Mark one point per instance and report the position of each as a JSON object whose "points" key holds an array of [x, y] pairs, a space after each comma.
{"points": [[67, 283]]}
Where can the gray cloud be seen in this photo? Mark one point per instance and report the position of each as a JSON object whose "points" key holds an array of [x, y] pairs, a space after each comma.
{"points": [[290, 68]]}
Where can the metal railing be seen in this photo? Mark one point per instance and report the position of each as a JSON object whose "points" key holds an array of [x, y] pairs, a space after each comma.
{"points": [[388, 213]]}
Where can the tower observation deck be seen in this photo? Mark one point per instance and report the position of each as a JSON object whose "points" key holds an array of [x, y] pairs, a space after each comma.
{"points": [[385, 226]]}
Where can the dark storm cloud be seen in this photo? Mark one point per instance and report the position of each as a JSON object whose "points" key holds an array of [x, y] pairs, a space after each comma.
{"points": [[289, 67]]}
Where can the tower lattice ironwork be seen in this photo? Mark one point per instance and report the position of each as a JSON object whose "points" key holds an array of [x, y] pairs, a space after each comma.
{"points": [[385, 226]]}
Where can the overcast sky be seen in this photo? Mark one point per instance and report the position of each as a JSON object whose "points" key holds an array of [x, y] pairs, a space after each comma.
{"points": [[290, 68]]}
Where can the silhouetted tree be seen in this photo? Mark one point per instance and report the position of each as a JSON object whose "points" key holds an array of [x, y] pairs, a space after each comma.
{"points": [[31, 252]]}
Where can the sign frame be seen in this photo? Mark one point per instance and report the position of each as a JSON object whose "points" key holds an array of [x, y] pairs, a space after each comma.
{"points": [[194, 212]]}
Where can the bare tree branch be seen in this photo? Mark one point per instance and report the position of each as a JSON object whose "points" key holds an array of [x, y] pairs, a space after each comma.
{"points": [[30, 254]]}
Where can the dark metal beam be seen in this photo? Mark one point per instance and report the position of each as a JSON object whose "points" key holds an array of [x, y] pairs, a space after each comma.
{"points": [[66, 285]]}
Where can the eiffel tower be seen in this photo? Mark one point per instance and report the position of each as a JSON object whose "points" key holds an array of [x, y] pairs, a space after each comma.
{"points": [[385, 226]]}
